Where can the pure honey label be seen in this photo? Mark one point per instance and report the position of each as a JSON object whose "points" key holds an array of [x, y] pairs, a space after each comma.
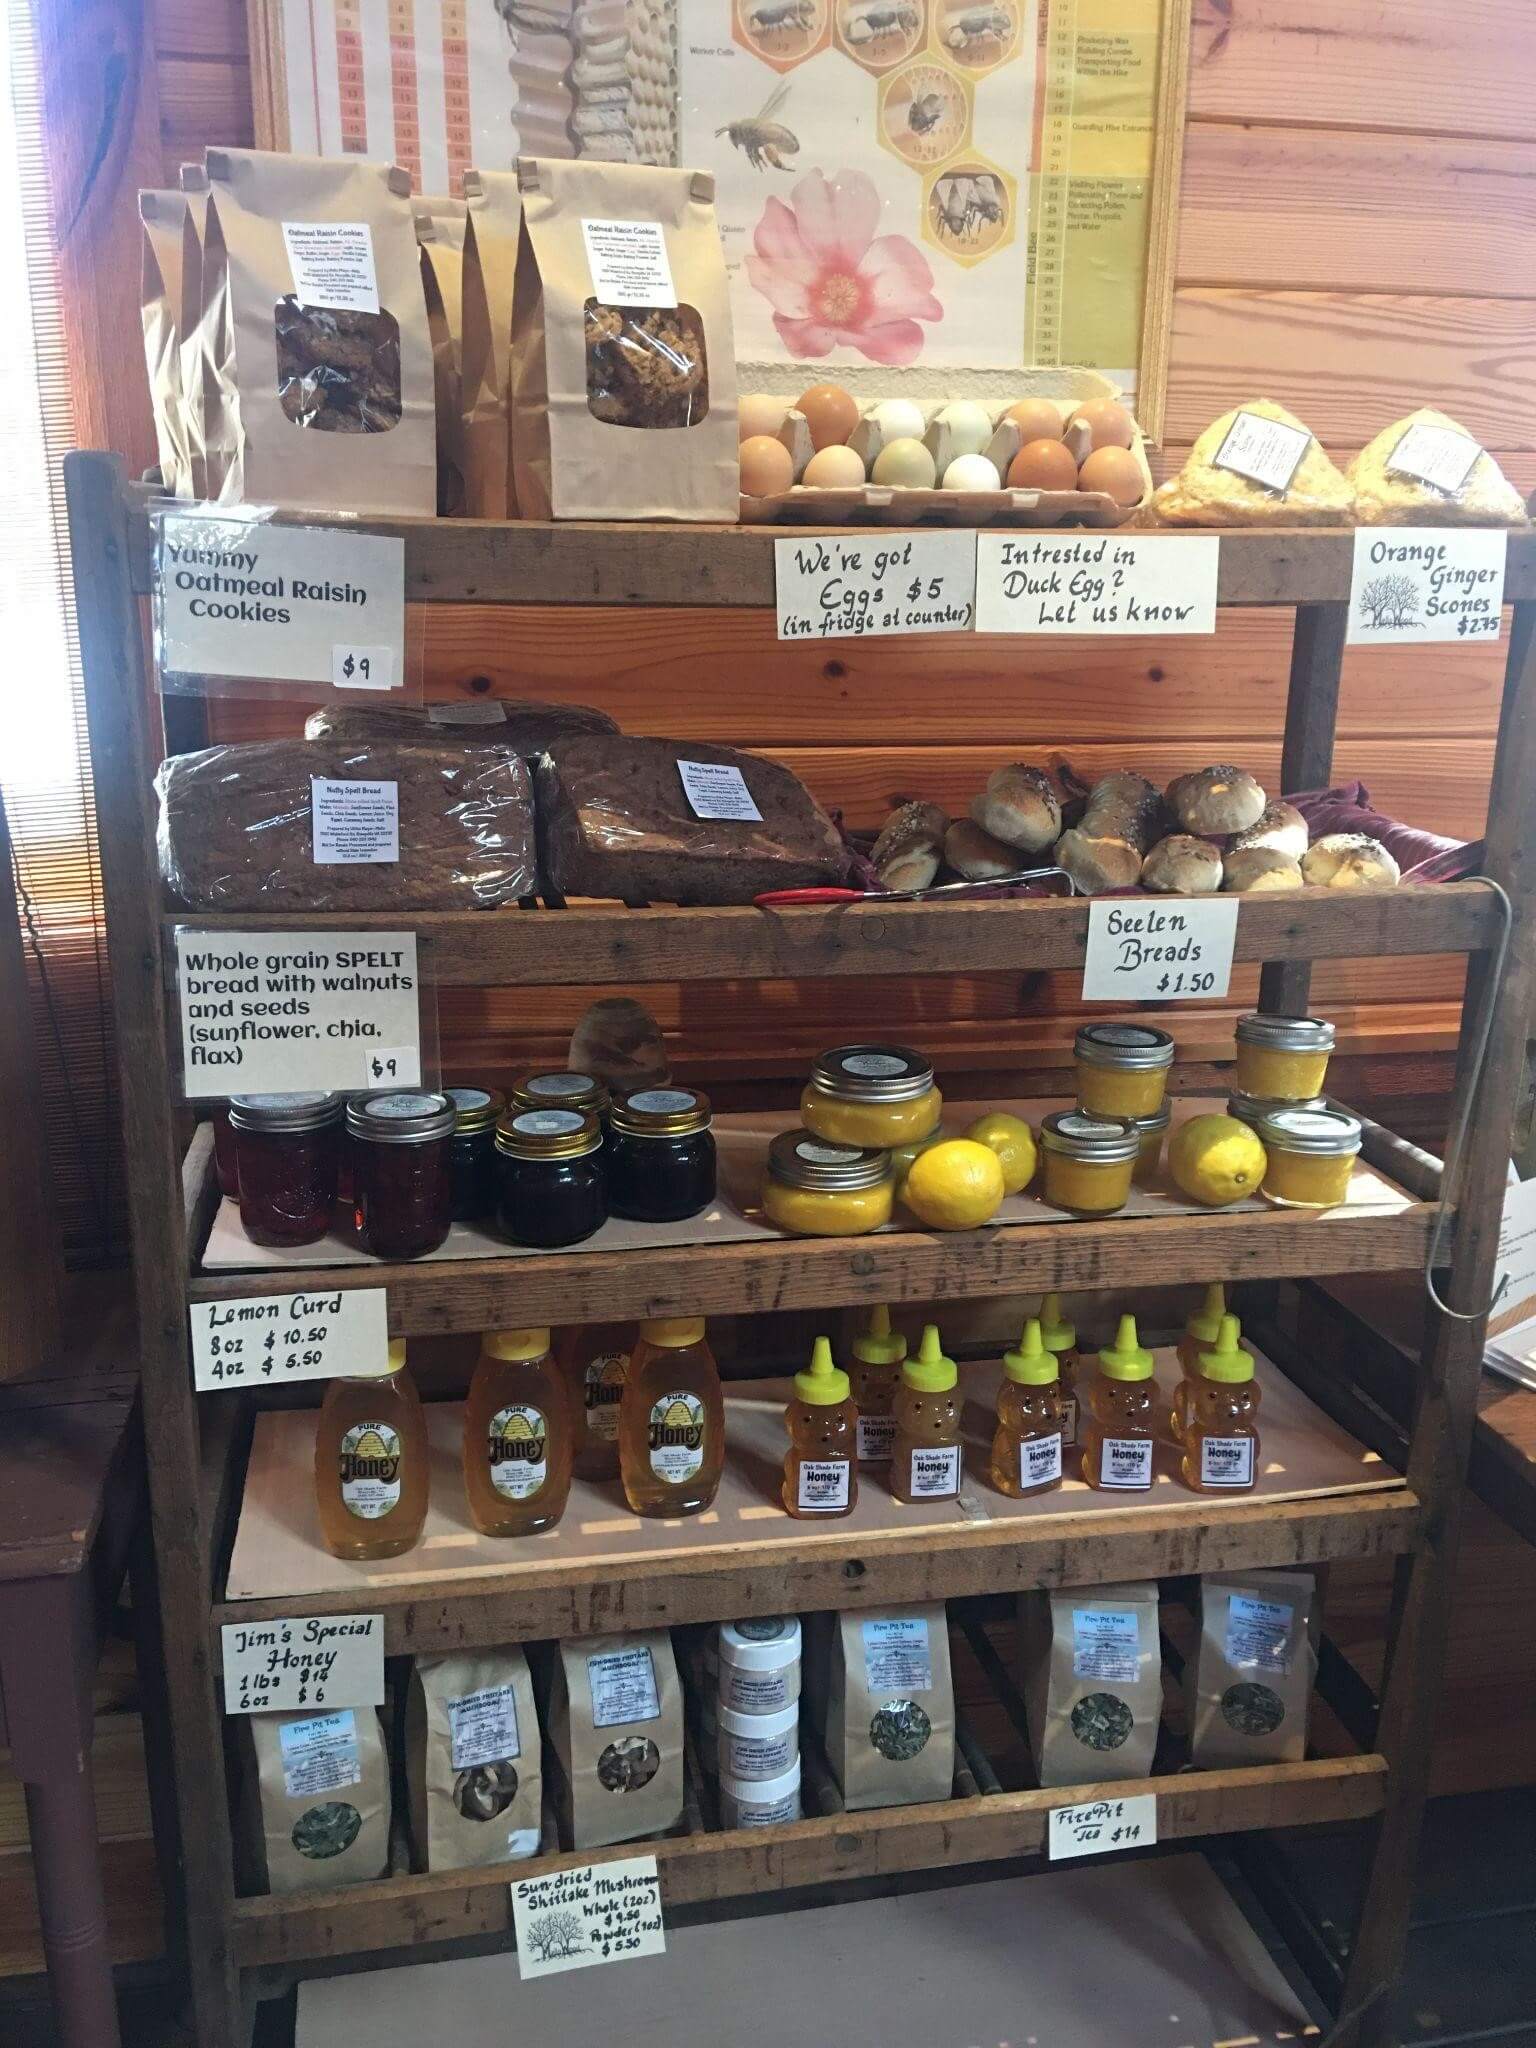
{"points": [[603, 1382], [677, 1438], [518, 1444], [369, 1465]]}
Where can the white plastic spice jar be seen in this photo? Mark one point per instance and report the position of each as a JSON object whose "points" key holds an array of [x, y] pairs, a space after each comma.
{"points": [[759, 1663], [761, 1802], [759, 1746]]}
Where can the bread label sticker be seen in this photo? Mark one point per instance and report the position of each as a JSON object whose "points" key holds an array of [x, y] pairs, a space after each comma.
{"points": [[355, 824], [1164, 949], [278, 1012], [332, 264], [1418, 583], [718, 789], [1437, 456], [629, 263], [872, 583], [319, 1754], [1267, 452], [1102, 1825], [273, 1339], [1096, 582], [481, 711], [240, 598], [606, 1912], [322, 1660]]}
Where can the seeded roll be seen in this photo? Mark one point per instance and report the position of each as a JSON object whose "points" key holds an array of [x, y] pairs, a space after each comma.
{"points": [[1281, 829], [1253, 870], [1020, 807], [1350, 860], [1216, 800], [1120, 825], [975, 855], [910, 850], [1182, 865]]}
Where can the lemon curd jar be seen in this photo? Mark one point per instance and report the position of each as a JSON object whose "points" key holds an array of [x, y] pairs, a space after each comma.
{"points": [[873, 1096], [1088, 1161], [1252, 1109], [1282, 1058], [1122, 1069], [1150, 1133], [1311, 1154], [814, 1189]]}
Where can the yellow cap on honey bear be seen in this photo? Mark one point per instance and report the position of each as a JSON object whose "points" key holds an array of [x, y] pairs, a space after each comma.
{"points": [[1031, 1365], [1125, 1359], [930, 1372], [512, 1344], [878, 1343], [1227, 1363], [1056, 1333], [1204, 1324], [822, 1383]]}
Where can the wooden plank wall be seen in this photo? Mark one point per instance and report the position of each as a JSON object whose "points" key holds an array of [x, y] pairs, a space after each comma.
{"points": [[1359, 188]]}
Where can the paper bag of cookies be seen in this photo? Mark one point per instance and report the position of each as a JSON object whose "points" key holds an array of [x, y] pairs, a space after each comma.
{"points": [[312, 285], [623, 361]]}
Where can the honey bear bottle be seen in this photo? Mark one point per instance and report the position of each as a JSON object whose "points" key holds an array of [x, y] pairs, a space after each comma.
{"points": [[1221, 1436], [820, 1467], [1026, 1451], [1117, 1442], [874, 1375], [925, 1449]]}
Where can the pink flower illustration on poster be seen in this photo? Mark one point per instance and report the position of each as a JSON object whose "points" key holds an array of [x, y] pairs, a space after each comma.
{"points": [[832, 281]]}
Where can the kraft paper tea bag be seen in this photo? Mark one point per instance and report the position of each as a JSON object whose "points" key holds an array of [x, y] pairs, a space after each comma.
{"points": [[323, 1785], [492, 231], [1092, 1680], [440, 231], [615, 1724], [472, 1760], [623, 362], [163, 218], [1249, 1684], [312, 281], [889, 1705]]}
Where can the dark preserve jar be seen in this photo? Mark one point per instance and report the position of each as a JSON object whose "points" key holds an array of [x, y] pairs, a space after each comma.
{"points": [[581, 1092], [285, 1165], [472, 1152], [224, 1169], [402, 1195], [549, 1177], [661, 1154]]}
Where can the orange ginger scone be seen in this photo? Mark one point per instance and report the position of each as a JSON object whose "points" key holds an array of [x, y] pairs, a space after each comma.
{"points": [[1255, 466]]}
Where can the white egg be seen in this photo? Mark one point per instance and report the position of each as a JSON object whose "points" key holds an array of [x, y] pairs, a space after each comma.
{"points": [[972, 473], [969, 425], [758, 413], [898, 420]]}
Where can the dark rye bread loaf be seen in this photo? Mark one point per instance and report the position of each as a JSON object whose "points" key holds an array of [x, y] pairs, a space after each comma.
{"points": [[615, 820], [524, 725], [236, 831]]}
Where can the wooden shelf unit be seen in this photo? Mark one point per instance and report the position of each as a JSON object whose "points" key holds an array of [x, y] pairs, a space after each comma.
{"points": [[472, 563]]}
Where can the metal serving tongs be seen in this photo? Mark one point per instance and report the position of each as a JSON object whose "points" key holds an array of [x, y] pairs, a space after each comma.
{"points": [[774, 897]]}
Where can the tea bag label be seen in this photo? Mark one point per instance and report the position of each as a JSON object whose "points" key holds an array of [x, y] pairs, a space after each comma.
{"points": [[623, 1688], [319, 1754], [897, 1656], [1039, 1460], [936, 1472], [354, 823], [1226, 1461], [876, 1433], [1437, 456], [332, 264], [1126, 1462], [823, 1486], [1267, 452], [1106, 1645], [1259, 1633], [718, 789], [596, 1913], [482, 1727], [628, 261]]}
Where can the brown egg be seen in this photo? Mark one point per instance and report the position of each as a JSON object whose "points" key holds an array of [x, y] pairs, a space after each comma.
{"points": [[759, 413], [830, 413], [1114, 471], [1036, 419], [1043, 466], [1110, 425], [766, 467]]}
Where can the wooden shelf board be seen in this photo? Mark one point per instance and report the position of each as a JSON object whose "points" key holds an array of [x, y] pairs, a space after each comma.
{"points": [[401, 1912], [473, 561], [606, 942]]}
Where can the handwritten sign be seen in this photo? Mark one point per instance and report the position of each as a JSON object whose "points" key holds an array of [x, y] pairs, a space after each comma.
{"points": [[1102, 1825], [1414, 583], [280, 1012], [1096, 583], [274, 1338], [325, 1660], [598, 1913], [869, 583], [1170, 950]]}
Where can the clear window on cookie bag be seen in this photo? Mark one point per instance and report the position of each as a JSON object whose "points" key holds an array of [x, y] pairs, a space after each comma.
{"points": [[338, 371], [646, 365]]}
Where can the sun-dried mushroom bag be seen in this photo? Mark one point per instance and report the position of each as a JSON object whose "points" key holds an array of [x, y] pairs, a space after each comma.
{"points": [[332, 825], [1255, 466], [614, 1718], [621, 326], [1092, 1680], [323, 392], [1426, 470], [1248, 1686], [472, 1760]]}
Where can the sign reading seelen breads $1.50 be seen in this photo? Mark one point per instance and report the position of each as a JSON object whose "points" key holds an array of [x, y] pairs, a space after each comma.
{"points": [[1147, 949]]}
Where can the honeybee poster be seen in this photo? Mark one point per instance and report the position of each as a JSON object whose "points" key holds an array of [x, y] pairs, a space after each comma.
{"points": [[907, 189]]}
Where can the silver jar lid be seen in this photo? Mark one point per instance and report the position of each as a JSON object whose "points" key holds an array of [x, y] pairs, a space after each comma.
{"points": [[1153, 1126], [401, 1116], [1129, 1048], [310, 1111], [799, 1159], [1101, 1140], [1319, 1131], [872, 1073], [1285, 1034], [1252, 1109]]}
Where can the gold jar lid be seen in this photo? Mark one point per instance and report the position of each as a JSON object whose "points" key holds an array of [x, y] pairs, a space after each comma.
{"points": [[660, 1112], [1127, 1048], [1100, 1140], [1285, 1034], [548, 1134], [580, 1092], [475, 1109]]}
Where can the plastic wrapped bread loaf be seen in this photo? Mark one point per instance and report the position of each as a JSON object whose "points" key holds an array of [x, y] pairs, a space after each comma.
{"points": [[1426, 470], [514, 724], [1255, 466]]}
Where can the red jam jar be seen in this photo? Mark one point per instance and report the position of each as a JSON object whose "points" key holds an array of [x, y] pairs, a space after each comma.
{"points": [[402, 1181], [285, 1165], [224, 1170]]}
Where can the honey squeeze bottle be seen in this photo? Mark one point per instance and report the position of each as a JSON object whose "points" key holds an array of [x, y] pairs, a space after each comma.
{"points": [[1026, 1451], [1117, 1439], [874, 1374], [1060, 1336], [518, 1436], [371, 1463], [821, 1478], [1221, 1436], [925, 1449], [671, 1420]]}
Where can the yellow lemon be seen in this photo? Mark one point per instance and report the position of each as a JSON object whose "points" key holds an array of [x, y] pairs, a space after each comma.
{"points": [[902, 1156], [1216, 1160], [955, 1186], [1013, 1142]]}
